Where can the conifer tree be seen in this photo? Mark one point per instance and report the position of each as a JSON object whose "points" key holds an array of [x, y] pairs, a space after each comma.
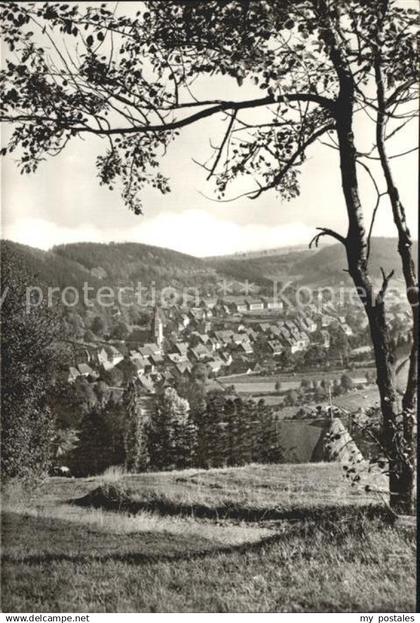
{"points": [[135, 430]]}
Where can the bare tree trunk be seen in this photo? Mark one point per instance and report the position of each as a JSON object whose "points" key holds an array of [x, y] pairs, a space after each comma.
{"points": [[406, 468], [356, 248], [356, 241]]}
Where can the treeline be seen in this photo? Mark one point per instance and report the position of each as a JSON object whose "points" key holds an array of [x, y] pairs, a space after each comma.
{"points": [[125, 263], [166, 432]]}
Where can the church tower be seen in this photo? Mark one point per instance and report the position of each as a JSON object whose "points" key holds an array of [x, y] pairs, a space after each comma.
{"points": [[157, 327]]}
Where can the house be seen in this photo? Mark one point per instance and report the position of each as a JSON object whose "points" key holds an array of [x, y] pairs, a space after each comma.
{"points": [[103, 359], [202, 338], [291, 344], [149, 349], [235, 303], [181, 348], [275, 347], [284, 334], [238, 338], [304, 338], [255, 304], [73, 374], [245, 347], [176, 358], [273, 304], [146, 383], [142, 363], [222, 337], [215, 365], [226, 357], [109, 356], [156, 360], [167, 376], [200, 353], [251, 333], [86, 370], [360, 351], [182, 369]]}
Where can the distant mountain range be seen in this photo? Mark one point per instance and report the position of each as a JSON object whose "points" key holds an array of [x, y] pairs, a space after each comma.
{"points": [[243, 255], [118, 264]]}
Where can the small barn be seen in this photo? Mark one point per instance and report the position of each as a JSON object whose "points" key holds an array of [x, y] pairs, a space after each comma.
{"points": [[316, 440]]}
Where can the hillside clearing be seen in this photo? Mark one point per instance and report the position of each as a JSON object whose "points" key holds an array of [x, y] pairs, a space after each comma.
{"points": [[315, 544]]}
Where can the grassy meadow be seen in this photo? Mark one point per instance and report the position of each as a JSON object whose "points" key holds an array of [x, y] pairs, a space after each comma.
{"points": [[272, 538]]}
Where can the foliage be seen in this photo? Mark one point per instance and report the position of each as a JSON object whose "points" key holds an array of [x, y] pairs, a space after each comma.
{"points": [[100, 440], [28, 368], [346, 382], [135, 430], [173, 434]]}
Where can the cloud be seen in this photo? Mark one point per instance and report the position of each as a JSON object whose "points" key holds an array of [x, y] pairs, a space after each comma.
{"points": [[43, 234], [195, 232]]}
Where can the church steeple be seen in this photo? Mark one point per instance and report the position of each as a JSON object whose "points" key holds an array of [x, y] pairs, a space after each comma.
{"points": [[157, 327]]}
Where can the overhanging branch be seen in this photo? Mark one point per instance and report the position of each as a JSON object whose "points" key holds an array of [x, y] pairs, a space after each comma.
{"points": [[325, 231], [208, 112]]}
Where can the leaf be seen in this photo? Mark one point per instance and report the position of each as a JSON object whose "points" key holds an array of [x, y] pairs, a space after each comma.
{"points": [[100, 36], [89, 41]]}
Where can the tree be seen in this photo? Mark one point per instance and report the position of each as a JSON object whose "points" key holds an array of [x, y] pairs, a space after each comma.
{"points": [[346, 382], [291, 398], [64, 442], [317, 66], [173, 433], [113, 377], [120, 331], [28, 368], [98, 326], [315, 355], [100, 441], [70, 401], [135, 433], [75, 324], [339, 344]]}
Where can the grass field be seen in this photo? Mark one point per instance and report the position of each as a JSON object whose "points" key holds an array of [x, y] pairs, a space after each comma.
{"points": [[252, 539], [253, 384]]}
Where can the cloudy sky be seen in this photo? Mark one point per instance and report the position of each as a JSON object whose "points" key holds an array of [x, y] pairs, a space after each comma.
{"points": [[63, 201]]}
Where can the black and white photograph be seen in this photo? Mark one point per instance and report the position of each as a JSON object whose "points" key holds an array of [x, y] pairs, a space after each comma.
{"points": [[209, 309]]}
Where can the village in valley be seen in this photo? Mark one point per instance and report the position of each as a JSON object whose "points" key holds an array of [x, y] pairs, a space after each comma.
{"points": [[209, 308], [255, 345]]}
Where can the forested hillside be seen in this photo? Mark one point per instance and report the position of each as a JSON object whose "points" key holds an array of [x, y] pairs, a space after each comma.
{"points": [[117, 264], [328, 265]]}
